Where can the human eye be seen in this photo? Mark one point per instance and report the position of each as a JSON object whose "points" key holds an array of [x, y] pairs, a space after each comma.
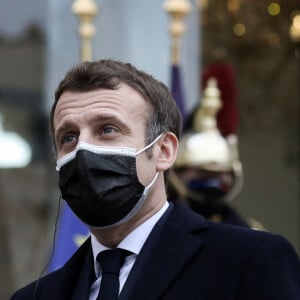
{"points": [[109, 129], [66, 140]]}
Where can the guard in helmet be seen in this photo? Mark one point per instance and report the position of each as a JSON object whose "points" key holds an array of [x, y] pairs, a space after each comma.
{"points": [[208, 174]]}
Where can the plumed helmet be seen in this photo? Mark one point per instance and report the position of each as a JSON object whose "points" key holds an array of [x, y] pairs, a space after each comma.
{"points": [[205, 145]]}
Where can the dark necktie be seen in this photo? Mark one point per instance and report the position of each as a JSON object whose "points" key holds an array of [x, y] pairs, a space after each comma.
{"points": [[110, 262]]}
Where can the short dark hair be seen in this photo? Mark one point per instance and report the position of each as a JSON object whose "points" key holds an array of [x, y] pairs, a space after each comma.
{"points": [[108, 74]]}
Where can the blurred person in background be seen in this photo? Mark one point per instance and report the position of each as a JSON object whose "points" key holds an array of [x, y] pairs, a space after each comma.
{"points": [[208, 174]]}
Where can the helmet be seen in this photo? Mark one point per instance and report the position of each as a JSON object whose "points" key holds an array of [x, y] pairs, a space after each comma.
{"points": [[204, 147]]}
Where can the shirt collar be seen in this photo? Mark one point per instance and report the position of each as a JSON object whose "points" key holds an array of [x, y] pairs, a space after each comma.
{"points": [[134, 241]]}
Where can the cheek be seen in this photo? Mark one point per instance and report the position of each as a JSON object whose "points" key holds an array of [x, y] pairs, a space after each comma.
{"points": [[146, 168], [228, 179]]}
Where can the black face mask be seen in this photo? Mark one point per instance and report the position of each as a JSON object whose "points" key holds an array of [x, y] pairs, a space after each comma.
{"points": [[100, 184], [210, 189], [207, 196]]}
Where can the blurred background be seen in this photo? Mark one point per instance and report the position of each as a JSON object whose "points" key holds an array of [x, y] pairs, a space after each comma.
{"points": [[39, 42]]}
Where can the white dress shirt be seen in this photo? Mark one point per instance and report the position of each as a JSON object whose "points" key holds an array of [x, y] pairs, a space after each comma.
{"points": [[132, 242]]}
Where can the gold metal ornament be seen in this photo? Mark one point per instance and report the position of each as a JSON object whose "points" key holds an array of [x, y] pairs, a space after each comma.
{"points": [[205, 147], [295, 27], [86, 10], [205, 117], [177, 9]]}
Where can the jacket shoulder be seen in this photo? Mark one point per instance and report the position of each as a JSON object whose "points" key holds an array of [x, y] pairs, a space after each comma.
{"points": [[29, 292], [57, 282]]}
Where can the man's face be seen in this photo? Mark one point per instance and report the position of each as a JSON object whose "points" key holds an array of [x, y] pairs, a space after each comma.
{"points": [[104, 117]]}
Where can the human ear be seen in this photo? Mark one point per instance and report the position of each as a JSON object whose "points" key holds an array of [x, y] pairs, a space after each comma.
{"points": [[168, 146]]}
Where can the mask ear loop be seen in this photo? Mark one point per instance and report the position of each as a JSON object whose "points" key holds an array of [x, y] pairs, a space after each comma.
{"points": [[144, 149], [52, 250], [152, 182], [148, 146]]}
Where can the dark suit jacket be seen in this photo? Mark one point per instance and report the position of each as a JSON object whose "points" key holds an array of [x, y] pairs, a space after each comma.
{"points": [[187, 257]]}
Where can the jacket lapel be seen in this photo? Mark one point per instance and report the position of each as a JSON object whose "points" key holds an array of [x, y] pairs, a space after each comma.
{"points": [[76, 275], [86, 277], [168, 249]]}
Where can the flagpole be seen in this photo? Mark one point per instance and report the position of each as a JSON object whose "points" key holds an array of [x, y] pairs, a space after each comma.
{"points": [[86, 10], [177, 9]]}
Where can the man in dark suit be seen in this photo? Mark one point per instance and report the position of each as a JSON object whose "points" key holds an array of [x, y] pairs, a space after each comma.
{"points": [[116, 131]]}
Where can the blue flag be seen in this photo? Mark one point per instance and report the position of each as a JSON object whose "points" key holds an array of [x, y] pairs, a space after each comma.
{"points": [[71, 233], [176, 89]]}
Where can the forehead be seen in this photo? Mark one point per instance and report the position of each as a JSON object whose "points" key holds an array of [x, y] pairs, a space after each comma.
{"points": [[124, 101]]}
